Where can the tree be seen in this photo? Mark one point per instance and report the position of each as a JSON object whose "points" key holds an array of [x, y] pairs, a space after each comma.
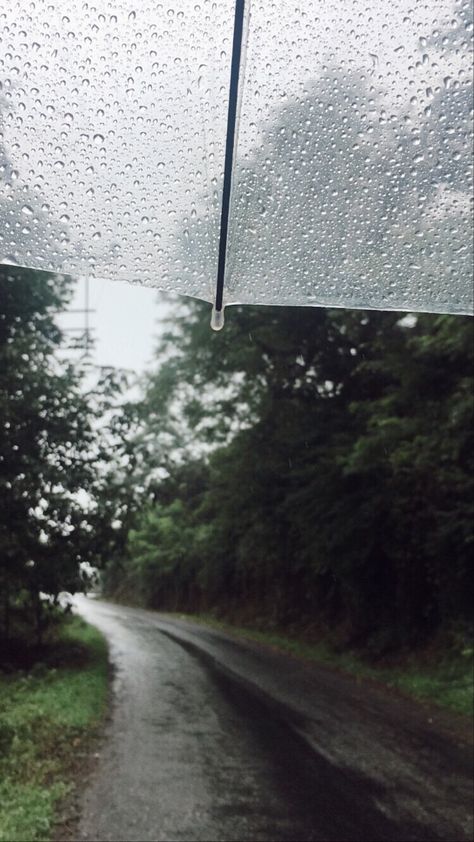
{"points": [[333, 481], [53, 451]]}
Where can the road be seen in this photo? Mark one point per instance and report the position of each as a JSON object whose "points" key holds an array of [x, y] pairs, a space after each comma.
{"points": [[215, 738]]}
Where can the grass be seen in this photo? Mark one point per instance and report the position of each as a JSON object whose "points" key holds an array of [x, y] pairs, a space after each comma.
{"points": [[440, 674], [46, 715]]}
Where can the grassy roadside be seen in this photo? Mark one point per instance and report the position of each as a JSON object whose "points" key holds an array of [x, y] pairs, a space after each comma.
{"points": [[440, 674], [47, 715]]}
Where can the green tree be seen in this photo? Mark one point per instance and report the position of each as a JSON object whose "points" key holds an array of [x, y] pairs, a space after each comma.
{"points": [[52, 446], [334, 478]]}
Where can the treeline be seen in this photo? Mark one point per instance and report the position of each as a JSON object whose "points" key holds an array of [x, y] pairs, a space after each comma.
{"points": [[304, 466]]}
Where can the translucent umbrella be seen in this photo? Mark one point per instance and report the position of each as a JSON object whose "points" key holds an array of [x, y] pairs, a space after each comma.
{"points": [[333, 168]]}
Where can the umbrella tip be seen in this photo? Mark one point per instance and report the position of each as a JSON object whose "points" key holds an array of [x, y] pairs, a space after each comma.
{"points": [[217, 319]]}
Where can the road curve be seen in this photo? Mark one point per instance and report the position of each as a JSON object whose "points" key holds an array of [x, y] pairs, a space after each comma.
{"points": [[214, 738]]}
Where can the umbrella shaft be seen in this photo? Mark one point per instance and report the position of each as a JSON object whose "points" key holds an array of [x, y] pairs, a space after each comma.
{"points": [[229, 147]]}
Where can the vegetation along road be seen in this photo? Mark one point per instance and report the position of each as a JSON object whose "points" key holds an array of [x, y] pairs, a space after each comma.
{"points": [[217, 738]]}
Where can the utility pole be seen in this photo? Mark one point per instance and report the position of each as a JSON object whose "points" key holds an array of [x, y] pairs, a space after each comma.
{"points": [[81, 336]]}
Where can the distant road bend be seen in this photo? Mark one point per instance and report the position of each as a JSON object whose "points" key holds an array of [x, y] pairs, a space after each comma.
{"points": [[213, 738]]}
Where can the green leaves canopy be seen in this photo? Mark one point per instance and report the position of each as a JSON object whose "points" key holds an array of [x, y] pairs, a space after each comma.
{"points": [[336, 457]]}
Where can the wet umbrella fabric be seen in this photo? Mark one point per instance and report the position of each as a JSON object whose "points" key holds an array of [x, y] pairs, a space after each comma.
{"points": [[350, 167]]}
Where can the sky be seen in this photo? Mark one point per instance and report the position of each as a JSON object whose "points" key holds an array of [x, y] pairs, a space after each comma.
{"points": [[125, 322]]}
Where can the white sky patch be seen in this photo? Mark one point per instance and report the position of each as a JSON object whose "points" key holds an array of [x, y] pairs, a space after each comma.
{"points": [[125, 323]]}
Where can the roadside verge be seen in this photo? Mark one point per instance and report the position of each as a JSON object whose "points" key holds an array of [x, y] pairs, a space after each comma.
{"points": [[50, 716], [437, 674]]}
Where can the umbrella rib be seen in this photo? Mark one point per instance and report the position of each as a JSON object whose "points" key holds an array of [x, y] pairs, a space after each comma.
{"points": [[229, 148]]}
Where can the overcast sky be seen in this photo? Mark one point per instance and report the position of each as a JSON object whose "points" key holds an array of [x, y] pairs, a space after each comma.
{"points": [[125, 321]]}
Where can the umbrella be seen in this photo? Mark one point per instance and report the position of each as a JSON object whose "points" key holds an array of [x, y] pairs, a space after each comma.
{"points": [[272, 152]]}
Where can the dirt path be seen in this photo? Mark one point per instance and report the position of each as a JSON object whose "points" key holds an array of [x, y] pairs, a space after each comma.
{"points": [[214, 738]]}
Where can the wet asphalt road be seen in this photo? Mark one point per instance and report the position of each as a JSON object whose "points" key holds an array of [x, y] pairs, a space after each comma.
{"points": [[213, 738]]}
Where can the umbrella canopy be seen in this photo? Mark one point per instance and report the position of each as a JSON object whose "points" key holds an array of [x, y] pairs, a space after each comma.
{"points": [[346, 143]]}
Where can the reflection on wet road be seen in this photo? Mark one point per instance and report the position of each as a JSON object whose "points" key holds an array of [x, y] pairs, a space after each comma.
{"points": [[182, 760], [191, 754]]}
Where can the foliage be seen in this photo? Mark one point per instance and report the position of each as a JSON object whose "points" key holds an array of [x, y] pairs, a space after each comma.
{"points": [[304, 465], [46, 715], [325, 471], [55, 449]]}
